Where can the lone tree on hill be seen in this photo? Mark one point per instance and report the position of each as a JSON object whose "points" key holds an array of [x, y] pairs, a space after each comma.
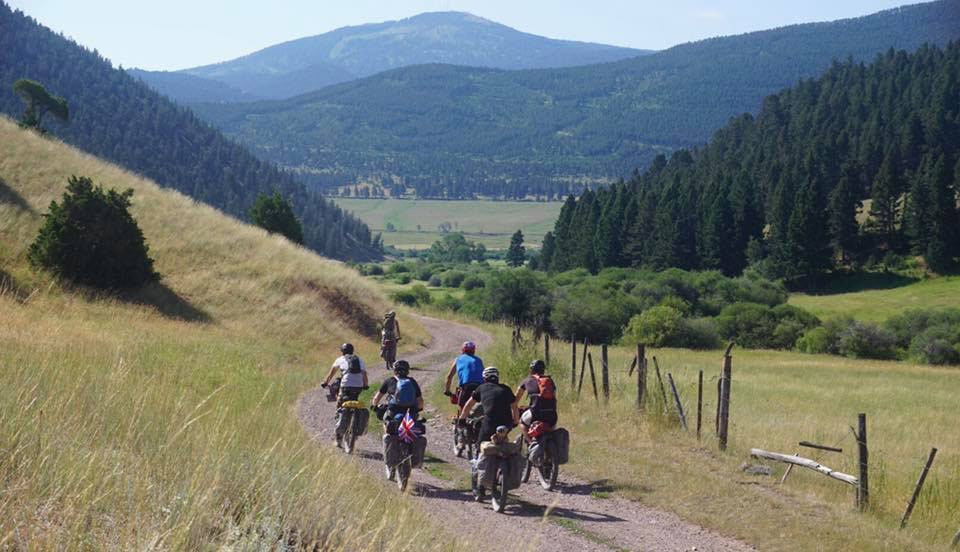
{"points": [[275, 215], [90, 238], [39, 103], [517, 253]]}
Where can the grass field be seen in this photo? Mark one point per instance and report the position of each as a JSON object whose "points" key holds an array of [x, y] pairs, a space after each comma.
{"points": [[778, 399], [878, 297], [167, 420], [488, 222]]}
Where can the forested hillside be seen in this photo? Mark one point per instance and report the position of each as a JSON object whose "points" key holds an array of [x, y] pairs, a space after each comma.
{"points": [[308, 64], [114, 116], [783, 190], [458, 131]]}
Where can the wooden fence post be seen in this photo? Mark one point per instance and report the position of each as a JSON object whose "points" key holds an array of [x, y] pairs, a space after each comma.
{"points": [[724, 411], [546, 349], [863, 484], [641, 374], [663, 390], [593, 377], [956, 539], [676, 398], [699, 403], [583, 359], [633, 364], [918, 488], [573, 361], [604, 375]]}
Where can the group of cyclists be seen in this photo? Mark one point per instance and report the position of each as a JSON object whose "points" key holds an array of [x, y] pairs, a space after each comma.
{"points": [[478, 389]]}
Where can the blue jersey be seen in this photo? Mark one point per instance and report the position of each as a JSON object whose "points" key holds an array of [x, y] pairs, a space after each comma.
{"points": [[469, 369]]}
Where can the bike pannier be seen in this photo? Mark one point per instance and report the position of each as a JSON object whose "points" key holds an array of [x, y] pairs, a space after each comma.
{"points": [[487, 471], [392, 450], [561, 441], [343, 420], [419, 451], [361, 417], [514, 475], [536, 453]]}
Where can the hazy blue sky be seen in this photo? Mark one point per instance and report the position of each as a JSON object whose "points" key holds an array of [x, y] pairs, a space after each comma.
{"points": [[175, 34]]}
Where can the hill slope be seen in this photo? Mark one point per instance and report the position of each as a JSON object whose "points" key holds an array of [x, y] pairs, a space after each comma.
{"points": [[114, 116], [458, 131], [165, 420], [307, 64]]}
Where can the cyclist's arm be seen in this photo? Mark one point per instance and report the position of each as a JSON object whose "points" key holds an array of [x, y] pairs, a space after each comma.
{"points": [[468, 407], [516, 413], [366, 382], [376, 399], [453, 370], [397, 324], [333, 371], [520, 392]]}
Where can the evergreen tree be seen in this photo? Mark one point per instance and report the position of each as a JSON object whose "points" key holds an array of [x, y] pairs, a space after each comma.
{"points": [[39, 102], [885, 196], [516, 253], [843, 204], [547, 251], [807, 236], [275, 215]]}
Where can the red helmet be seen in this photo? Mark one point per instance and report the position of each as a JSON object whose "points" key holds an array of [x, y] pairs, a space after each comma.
{"points": [[537, 429], [469, 347]]}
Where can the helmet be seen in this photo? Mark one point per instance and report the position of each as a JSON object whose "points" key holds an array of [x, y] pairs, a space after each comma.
{"points": [[491, 372], [346, 348], [538, 367], [469, 347], [401, 368]]}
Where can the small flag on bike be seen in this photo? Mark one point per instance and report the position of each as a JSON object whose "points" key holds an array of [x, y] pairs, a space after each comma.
{"points": [[406, 429]]}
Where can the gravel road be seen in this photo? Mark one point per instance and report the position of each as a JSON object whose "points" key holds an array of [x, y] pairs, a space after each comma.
{"points": [[575, 516]]}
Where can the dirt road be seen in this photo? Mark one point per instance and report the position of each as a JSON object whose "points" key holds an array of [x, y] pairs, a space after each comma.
{"points": [[577, 515]]}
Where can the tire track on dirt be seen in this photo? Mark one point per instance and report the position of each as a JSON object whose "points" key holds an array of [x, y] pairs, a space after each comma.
{"points": [[571, 517]]}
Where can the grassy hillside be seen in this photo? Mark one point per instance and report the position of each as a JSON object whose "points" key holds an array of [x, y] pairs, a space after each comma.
{"points": [[166, 419], [778, 399], [463, 130], [879, 297], [488, 222]]}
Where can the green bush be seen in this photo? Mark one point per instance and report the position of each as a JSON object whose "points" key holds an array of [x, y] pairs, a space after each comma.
{"points": [[453, 278], [448, 302], [937, 345], [274, 214], [92, 239], [423, 273], [699, 333], [749, 324], [867, 340], [403, 278], [816, 341], [472, 282], [518, 296], [657, 327], [374, 270], [435, 281], [415, 296], [398, 268]]}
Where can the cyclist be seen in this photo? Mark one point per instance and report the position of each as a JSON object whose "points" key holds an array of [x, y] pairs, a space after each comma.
{"points": [[468, 368], [498, 401], [389, 336], [403, 392], [543, 397], [353, 375]]}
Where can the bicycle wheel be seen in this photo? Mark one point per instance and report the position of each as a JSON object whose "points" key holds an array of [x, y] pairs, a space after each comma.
{"points": [[498, 495], [549, 469], [403, 474], [527, 465], [457, 446], [348, 438]]}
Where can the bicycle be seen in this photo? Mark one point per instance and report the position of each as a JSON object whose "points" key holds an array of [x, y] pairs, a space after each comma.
{"points": [[548, 468], [465, 433], [399, 456], [504, 480], [352, 418]]}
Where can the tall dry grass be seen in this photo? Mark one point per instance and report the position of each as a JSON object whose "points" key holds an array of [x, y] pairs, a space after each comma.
{"points": [[778, 399], [166, 420]]}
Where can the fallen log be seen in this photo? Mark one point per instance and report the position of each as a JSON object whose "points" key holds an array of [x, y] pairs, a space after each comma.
{"points": [[804, 463]]}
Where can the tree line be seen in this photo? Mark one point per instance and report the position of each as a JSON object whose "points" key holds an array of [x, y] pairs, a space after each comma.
{"points": [[832, 173], [118, 118]]}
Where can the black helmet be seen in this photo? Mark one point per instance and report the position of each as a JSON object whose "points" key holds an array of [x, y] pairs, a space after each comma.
{"points": [[347, 348], [401, 368], [538, 367]]}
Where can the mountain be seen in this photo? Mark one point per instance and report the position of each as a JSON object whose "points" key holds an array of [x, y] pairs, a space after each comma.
{"points": [[186, 88], [307, 64], [117, 117], [784, 190], [459, 131]]}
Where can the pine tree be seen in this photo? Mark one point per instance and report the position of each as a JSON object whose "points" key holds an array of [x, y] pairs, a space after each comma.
{"points": [[843, 204], [516, 253], [547, 251], [806, 236], [885, 207], [942, 243]]}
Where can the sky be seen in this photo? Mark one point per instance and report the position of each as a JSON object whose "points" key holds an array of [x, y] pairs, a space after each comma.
{"points": [[177, 34]]}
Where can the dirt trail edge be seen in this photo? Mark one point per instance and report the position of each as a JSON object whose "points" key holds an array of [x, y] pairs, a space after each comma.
{"points": [[578, 515]]}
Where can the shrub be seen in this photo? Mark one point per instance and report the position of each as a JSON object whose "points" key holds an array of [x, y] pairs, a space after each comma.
{"points": [[520, 296], [453, 278], [866, 340], [699, 333], [423, 273], [402, 278], [938, 345], [415, 296], [374, 270], [472, 282], [677, 303], [448, 302], [816, 341], [91, 238], [749, 324], [435, 281], [657, 327], [398, 268]]}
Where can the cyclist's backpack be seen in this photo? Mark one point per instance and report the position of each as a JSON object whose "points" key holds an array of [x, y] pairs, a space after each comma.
{"points": [[353, 364], [548, 390], [406, 394]]}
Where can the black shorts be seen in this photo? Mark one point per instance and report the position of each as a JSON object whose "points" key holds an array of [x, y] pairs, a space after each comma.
{"points": [[463, 394], [548, 417], [349, 394]]}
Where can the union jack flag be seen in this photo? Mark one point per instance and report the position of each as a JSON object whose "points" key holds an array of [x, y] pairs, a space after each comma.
{"points": [[407, 431]]}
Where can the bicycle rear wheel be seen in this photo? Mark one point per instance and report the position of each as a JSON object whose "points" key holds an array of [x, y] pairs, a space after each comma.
{"points": [[498, 496]]}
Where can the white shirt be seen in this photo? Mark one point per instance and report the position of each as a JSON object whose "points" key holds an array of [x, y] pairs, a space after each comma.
{"points": [[346, 378]]}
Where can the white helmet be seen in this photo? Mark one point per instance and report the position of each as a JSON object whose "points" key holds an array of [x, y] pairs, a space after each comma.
{"points": [[491, 372]]}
